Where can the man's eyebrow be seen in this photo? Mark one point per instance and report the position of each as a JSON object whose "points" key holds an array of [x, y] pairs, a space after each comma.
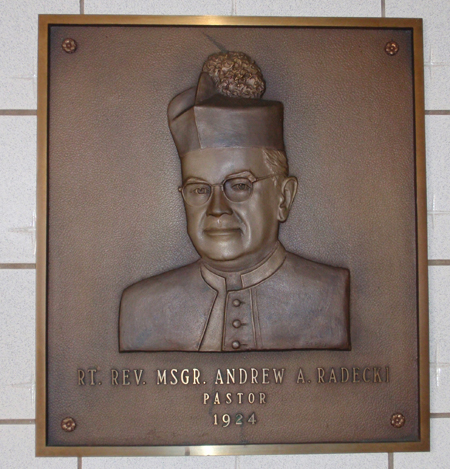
{"points": [[194, 179], [245, 173]]}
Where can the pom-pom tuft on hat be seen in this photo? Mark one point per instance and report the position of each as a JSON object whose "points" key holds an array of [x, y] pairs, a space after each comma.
{"points": [[235, 75]]}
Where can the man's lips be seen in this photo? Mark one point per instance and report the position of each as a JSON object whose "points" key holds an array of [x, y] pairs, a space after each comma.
{"points": [[221, 231]]}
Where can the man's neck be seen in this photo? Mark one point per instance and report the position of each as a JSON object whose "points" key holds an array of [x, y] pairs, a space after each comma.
{"points": [[242, 265], [257, 273]]}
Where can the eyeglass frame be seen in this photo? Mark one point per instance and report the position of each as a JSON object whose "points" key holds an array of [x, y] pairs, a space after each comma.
{"points": [[221, 185]]}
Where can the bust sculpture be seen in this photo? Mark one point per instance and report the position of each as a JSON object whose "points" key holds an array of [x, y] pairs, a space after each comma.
{"points": [[245, 292]]}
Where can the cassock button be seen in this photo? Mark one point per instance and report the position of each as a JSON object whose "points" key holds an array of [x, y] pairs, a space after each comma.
{"points": [[236, 323], [236, 303], [236, 344]]}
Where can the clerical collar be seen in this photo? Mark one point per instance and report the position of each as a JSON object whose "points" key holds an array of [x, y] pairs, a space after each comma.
{"points": [[245, 279]]}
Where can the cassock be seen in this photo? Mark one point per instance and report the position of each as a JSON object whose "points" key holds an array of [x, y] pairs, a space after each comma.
{"points": [[284, 303]]}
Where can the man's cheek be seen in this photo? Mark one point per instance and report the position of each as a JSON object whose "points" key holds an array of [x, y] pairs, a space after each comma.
{"points": [[242, 218], [195, 224]]}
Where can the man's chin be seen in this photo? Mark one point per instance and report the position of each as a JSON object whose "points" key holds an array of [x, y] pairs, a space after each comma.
{"points": [[228, 256], [222, 250]]}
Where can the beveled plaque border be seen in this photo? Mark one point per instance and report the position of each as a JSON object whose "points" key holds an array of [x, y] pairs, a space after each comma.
{"points": [[42, 449]]}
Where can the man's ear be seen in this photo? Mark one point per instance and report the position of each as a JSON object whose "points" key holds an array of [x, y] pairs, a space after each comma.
{"points": [[288, 191]]}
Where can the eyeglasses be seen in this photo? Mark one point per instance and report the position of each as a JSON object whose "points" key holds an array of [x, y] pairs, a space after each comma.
{"points": [[236, 189]]}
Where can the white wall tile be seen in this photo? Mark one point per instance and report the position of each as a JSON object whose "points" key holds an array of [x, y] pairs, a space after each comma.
{"points": [[17, 450], [308, 8], [17, 92], [436, 45], [159, 7], [439, 280], [438, 162], [18, 54], [17, 188], [437, 458], [438, 235], [437, 84], [17, 344], [315, 461], [336, 461], [440, 388], [191, 462]]}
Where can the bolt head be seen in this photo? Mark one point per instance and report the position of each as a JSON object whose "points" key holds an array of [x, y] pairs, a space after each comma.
{"points": [[68, 424], [391, 48], [69, 46], [398, 420]]}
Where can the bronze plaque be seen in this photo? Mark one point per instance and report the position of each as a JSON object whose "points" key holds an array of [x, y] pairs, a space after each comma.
{"points": [[232, 236]]}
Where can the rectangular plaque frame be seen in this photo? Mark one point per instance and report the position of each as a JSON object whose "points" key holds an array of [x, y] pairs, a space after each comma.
{"points": [[46, 239]]}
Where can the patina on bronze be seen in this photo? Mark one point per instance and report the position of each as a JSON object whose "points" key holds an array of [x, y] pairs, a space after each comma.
{"points": [[115, 209], [246, 292]]}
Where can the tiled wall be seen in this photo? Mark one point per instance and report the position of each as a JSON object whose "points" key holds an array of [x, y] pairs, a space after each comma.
{"points": [[18, 70]]}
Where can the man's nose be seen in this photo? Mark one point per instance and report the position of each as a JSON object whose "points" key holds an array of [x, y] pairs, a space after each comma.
{"points": [[218, 204]]}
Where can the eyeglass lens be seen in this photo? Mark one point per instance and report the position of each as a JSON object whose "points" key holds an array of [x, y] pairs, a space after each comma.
{"points": [[236, 190]]}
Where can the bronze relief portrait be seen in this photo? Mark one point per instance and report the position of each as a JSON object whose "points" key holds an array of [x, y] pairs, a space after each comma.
{"points": [[245, 292], [232, 252]]}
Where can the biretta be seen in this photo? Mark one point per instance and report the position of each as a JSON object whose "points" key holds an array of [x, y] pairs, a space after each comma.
{"points": [[203, 117]]}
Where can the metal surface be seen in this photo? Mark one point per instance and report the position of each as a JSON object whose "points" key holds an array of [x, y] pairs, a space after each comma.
{"points": [[405, 387]]}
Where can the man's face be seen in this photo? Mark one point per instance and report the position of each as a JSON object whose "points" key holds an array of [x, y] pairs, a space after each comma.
{"points": [[232, 235]]}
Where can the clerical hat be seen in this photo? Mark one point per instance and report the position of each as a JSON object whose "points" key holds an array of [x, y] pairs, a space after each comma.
{"points": [[225, 109]]}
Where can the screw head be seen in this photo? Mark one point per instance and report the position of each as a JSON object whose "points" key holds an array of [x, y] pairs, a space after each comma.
{"points": [[398, 420], [69, 46], [68, 424], [391, 48]]}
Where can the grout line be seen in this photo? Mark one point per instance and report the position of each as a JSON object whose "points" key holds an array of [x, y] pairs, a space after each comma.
{"points": [[17, 266], [18, 112], [390, 460], [17, 421], [437, 113], [438, 261], [79, 463], [383, 8], [81, 7], [441, 415]]}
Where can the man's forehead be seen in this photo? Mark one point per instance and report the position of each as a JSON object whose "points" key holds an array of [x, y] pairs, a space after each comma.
{"points": [[216, 164]]}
